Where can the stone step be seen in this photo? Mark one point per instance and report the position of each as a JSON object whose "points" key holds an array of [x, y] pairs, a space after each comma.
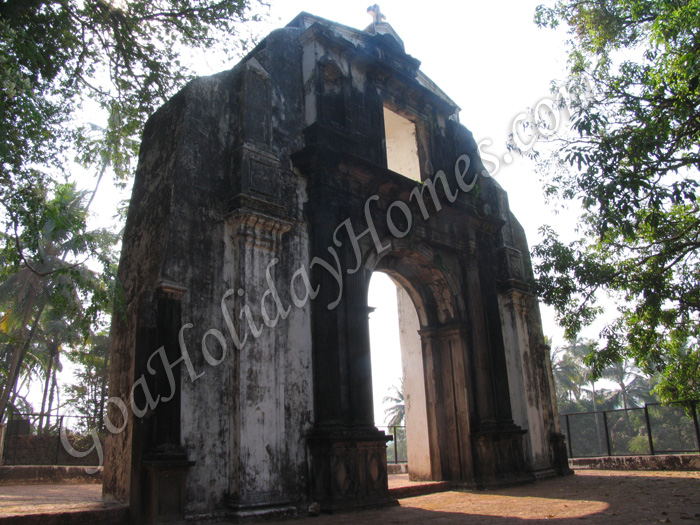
{"points": [[58, 503], [419, 489], [118, 515], [43, 474]]}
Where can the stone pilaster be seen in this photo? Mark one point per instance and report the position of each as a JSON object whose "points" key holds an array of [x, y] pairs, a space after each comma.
{"points": [[165, 462], [258, 374], [446, 379], [482, 370]]}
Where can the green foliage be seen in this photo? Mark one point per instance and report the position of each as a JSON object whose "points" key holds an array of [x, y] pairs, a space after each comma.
{"points": [[114, 60], [631, 159], [397, 449], [634, 389], [89, 393], [48, 296], [681, 374], [42, 263], [61, 62], [672, 428], [575, 381], [672, 431], [123, 56], [639, 445], [397, 410], [570, 379]]}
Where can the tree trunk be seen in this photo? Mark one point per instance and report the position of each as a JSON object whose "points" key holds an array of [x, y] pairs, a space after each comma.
{"points": [[52, 353], [597, 418], [11, 378], [48, 411], [103, 393], [15, 395], [17, 358]]}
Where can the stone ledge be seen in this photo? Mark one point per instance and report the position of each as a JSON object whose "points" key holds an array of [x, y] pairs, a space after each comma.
{"points": [[397, 468], [420, 489], [41, 474], [666, 462], [113, 516]]}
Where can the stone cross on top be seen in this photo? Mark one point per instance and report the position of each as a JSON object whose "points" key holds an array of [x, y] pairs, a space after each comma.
{"points": [[376, 14]]}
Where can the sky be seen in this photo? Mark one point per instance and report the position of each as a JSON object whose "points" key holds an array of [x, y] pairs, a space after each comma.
{"points": [[494, 62]]}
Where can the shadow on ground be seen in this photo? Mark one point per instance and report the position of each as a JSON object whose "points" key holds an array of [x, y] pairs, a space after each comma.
{"points": [[588, 496], [605, 497]]}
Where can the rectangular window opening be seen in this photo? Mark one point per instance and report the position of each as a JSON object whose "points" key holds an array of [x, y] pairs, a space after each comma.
{"points": [[401, 145]]}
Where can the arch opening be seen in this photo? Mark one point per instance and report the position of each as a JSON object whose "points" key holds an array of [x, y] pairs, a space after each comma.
{"points": [[435, 361], [398, 376]]}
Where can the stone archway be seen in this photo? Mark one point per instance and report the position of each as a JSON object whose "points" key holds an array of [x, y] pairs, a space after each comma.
{"points": [[396, 345], [452, 282], [263, 201], [441, 359]]}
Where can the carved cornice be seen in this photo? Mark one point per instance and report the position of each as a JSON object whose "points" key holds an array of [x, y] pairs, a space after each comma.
{"points": [[447, 330], [344, 173], [258, 230], [518, 299], [171, 289]]}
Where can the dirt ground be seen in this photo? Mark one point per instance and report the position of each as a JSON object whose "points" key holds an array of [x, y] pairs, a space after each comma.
{"points": [[589, 496]]}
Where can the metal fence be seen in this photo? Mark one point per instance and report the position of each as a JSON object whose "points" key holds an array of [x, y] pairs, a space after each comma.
{"points": [[396, 451], [35, 439], [653, 429]]}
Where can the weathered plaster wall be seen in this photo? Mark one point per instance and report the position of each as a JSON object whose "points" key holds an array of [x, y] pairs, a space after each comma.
{"points": [[219, 147], [249, 441], [417, 437], [139, 269], [529, 369], [243, 179]]}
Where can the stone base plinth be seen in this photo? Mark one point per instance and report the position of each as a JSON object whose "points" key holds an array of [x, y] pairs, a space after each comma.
{"points": [[499, 458], [165, 493], [349, 469], [262, 513], [560, 460]]}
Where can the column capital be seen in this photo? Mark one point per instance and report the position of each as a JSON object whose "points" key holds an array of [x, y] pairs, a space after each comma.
{"points": [[517, 299], [447, 330], [257, 229], [171, 289]]}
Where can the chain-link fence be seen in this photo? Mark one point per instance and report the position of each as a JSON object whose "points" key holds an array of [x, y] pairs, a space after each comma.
{"points": [[396, 450], [35, 439], [653, 429]]}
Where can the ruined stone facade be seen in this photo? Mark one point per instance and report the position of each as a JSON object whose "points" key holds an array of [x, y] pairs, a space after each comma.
{"points": [[264, 199]]}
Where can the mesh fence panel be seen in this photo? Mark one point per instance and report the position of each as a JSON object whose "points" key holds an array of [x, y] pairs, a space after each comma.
{"points": [[396, 450], [628, 432], [587, 434], [672, 429]]}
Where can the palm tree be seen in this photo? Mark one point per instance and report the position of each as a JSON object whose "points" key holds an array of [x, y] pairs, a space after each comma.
{"points": [[569, 376], [19, 324], [573, 378], [634, 388], [397, 411], [41, 289], [88, 395]]}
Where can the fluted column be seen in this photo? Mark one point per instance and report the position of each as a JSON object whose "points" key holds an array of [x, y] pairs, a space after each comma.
{"points": [[448, 402], [328, 407], [482, 370], [166, 432], [359, 358]]}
